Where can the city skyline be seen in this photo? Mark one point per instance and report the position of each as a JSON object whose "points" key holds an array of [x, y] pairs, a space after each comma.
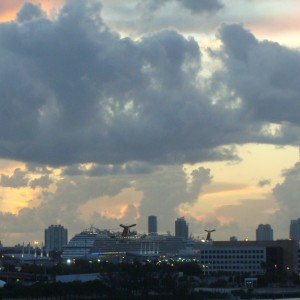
{"points": [[56, 236], [113, 111]]}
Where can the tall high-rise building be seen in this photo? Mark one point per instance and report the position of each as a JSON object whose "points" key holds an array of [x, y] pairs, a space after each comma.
{"points": [[152, 224], [181, 228], [56, 236], [264, 232], [295, 230]]}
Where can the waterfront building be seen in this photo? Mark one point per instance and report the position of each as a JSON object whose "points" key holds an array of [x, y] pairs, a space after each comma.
{"points": [[252, 257], [297, 269], [233, 259], [181, 228], [56, 236], [264, 233], [152, 224], [295, 230]]}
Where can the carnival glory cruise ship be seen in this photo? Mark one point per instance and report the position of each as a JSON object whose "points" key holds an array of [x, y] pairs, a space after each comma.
{"points": [[94, 243]]}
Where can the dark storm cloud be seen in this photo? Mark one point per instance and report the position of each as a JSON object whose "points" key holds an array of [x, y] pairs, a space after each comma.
{"points": [[264, 75], [72, 91]]}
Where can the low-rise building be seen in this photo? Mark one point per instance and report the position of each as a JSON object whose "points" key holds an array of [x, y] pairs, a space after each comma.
{"points": [[252, 257]]}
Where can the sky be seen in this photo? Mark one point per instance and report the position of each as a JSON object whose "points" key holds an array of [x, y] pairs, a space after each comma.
{"points": [[111, 111]]}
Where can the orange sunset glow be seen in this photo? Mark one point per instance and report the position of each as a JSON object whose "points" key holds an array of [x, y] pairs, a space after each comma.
{"points": [[9, 8]]}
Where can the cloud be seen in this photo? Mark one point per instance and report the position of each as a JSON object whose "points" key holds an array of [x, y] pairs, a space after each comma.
{"points": [[29, 12], [159, 192], [287, 193], [103, 170], [194, 6], [264, 76], [239, 217], [43, 182], [264, 182], [198, 6], [107, 200], [62, 205], [81, 93], [18, 179], [165, 190], [286, 202], [26, 178]]}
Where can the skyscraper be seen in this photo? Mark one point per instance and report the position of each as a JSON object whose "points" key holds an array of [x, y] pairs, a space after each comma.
{"points": [[295, 230], [264, 232], [152, 224], [56, 236], [181, 228]]}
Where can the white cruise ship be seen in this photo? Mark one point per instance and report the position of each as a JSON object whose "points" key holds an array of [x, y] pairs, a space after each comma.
{"points": [[94, 243]]}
